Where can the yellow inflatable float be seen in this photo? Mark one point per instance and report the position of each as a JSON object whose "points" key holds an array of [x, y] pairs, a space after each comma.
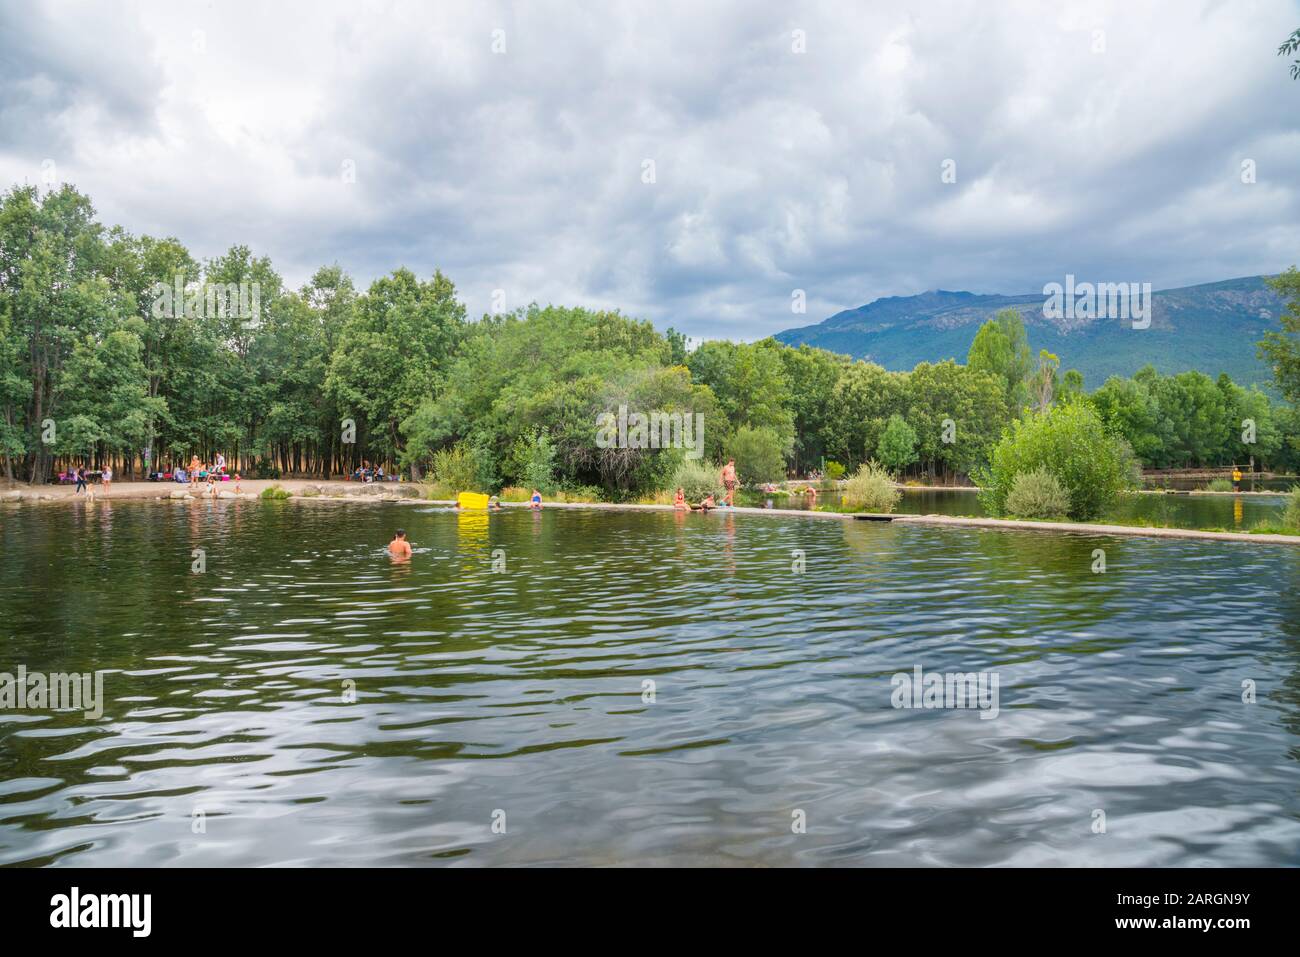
{"points": [[472, 500]]}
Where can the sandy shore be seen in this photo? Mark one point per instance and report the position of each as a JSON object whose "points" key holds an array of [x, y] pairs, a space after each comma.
{"points": [[248, 488]]}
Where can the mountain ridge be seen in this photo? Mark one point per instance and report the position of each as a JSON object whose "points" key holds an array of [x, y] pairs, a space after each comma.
{"points": [[1212, 327]]}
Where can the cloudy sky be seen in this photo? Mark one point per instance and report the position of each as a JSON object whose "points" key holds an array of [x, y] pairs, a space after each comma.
{"points": [[794, 146]]}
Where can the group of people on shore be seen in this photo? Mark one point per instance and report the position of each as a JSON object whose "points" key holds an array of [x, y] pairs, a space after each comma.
{"points": [[365, 472], [198, 470]]}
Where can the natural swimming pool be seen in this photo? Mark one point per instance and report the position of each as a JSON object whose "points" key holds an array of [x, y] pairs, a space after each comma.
{"points": [[1233, 513], [517, 697]]}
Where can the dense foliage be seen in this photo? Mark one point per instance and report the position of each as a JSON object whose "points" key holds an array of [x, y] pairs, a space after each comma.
{"points": [[1069, 441], [317, 380], [1037, 494]]}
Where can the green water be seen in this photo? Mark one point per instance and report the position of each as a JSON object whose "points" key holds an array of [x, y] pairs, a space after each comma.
{"points": [[1234, 513], [518, 695]]}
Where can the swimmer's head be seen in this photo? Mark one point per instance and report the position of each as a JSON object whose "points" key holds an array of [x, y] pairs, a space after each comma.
{"points": [[400, 533]]}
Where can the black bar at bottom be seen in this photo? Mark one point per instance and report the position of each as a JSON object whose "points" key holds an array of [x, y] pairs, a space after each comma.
{"points": [[298, 908]]}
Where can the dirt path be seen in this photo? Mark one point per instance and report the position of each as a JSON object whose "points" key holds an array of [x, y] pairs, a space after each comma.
{"points": [[249, 488]]}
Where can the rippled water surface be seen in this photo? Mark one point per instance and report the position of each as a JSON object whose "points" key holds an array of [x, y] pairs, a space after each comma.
{"points": [[1229, 512], [520, 696]]}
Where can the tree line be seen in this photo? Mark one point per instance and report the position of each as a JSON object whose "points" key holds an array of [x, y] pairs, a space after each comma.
{"points": [[114, 349]]}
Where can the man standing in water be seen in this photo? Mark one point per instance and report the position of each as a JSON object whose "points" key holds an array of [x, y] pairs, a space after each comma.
{"points": [[729, 481], [399, 548]]}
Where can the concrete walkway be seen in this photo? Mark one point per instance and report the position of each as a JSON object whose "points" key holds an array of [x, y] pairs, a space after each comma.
{"points": [[1079, 528]]}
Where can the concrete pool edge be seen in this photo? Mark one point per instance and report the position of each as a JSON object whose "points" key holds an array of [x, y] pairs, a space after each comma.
{"points": [[1006, 524], [1085, 528]]}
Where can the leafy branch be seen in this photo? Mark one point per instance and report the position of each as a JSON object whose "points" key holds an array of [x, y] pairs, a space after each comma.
{"points": [[1289, 46]]}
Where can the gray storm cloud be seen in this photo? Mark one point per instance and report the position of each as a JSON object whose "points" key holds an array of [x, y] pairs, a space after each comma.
{"points": [[793, 146]]}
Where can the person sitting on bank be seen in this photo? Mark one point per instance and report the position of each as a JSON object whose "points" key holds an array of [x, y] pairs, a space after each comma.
{"points": [[536, 500], [399, 547], [707, 503], [679, 500]]}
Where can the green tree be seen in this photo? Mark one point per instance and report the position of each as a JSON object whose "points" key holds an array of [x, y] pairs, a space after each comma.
{"points": [[1001, 347], [812, 375], [15, 392], [1043, 383], [392, 354], [863, 399], [1281, 350], [51, 254], [957, 413], [897, 448], [759, 455], [749, 381]]}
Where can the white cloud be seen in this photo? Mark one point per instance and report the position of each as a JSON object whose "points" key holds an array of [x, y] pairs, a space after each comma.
{"points": [[230, 123]]}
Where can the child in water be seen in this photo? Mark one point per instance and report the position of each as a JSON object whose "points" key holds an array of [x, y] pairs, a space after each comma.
{"points": [[399, 548], [707, 504]]}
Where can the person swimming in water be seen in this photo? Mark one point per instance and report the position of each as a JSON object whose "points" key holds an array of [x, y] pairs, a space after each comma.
{"points": [[399, 548], [494, 504]]}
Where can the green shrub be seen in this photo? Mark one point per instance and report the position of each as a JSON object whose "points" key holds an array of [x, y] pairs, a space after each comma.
{"points": [[871, 489], [698, 477], [455, 470], [533, 460], [834, 471], [1291, 516], [759, 455], [1219, 485], [274, 493], [579, 493], [1037, 494], [1068, 440]]}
